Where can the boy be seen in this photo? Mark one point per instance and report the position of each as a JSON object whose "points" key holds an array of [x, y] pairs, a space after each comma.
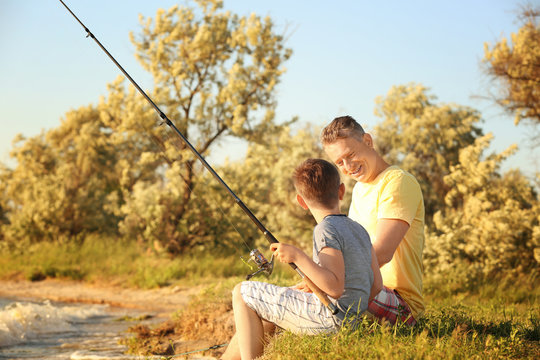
{"points": [[343, 266]]}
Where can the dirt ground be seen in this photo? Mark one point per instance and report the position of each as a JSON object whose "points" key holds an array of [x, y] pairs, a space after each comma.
{"points": [[161, 302]]}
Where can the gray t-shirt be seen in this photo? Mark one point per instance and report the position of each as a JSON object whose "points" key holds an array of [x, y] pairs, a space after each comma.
{"points": [[341, 233]]}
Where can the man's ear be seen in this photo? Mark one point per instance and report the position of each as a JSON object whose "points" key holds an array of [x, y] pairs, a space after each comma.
{"points": [[301, 202], [368, 140], [341, 191]]}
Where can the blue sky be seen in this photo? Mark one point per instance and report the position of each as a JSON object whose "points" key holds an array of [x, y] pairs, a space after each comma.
{"points": [[346, 53]]}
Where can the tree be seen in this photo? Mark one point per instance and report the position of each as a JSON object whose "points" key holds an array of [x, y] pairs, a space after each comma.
{"points": [[5, 174], [214, 73], [113, 167], [516, 68], [490, 225], [61, 182], [424, 137], [264, 181]]}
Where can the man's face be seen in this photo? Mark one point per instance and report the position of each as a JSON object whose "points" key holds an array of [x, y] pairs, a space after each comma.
{"points": [[354, 157]]}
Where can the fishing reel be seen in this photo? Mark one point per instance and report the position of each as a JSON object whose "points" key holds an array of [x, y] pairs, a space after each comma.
{"points": [[263, 265]]}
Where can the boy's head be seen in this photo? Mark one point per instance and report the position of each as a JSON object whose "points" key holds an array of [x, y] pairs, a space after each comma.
{"points": [[318, 182]]}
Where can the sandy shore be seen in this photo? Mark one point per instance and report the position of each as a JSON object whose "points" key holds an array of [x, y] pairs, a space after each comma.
{"points": [[161, 302]]}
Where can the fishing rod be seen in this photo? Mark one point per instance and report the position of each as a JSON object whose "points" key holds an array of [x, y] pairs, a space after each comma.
{"points": [[256, 256]]}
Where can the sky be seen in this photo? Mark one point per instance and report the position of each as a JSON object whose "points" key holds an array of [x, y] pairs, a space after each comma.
{"points": [[345, 55]]}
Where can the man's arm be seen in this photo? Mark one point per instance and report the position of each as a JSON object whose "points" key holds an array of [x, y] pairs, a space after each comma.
{"points": [[377, 278], [388, 235]]}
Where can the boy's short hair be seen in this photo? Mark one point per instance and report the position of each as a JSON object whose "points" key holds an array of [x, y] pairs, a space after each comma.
{"points": [[341, 127], [317, 181]]}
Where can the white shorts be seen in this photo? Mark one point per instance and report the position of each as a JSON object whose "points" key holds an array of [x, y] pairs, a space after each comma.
{"points": [[288, 308]]}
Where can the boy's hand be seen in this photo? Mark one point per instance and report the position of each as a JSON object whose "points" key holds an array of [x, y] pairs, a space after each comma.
{"points": [[285, 253], [302, 286]]}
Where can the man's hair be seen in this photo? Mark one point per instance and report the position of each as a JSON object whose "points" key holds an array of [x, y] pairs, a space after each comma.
{"points": [[340, 128], [317, 181]]}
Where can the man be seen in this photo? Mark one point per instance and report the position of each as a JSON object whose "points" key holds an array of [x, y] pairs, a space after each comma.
{"points": [[388, 202]]}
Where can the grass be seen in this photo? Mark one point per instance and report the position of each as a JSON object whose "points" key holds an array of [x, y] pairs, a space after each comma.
{"points": [[119, 262], [488, 319], [447, 332], [497, 319], [492, 320]]}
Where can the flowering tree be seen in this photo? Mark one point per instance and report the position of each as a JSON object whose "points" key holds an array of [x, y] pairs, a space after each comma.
{"points": [[515, 65]]}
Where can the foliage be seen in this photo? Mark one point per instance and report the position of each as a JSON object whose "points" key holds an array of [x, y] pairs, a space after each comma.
{"points": [[61, 182], [478, 220], [490, 223], [112, 168], [215, 74], [222, 224], [514, 64], [264, 182], [424, 137]]}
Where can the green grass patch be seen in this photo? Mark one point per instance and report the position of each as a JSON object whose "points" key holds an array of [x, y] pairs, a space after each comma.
{"points": [[462, 326], [123, 263], [459, 332]]}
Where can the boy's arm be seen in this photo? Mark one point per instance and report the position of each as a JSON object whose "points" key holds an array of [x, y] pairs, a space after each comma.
{"points": [[377, 277], [329, 276]]}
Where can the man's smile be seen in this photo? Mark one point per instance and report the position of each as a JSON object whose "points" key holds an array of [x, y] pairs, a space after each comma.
{"points": [[357, 171]]}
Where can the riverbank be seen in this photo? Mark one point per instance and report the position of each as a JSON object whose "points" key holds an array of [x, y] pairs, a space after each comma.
{"points": [[161, 302], [496, 320]]}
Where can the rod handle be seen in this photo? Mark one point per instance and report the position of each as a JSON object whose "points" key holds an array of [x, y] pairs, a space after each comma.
{"points": [[321, 295]]}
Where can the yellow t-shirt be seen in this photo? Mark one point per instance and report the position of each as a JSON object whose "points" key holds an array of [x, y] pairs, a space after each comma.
{"points": [[395, 194]]}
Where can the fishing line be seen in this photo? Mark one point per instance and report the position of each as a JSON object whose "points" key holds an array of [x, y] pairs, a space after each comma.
{"points": [[167, 137]]}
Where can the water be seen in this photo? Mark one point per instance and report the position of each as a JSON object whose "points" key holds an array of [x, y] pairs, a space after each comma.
{"points": [[48, 330]]}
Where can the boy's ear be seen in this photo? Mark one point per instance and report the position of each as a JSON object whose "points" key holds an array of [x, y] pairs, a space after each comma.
{"points": [[341, 191], [301, 202]]}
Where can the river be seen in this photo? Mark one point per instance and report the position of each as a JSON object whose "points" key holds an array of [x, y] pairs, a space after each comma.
{"points": [[50, 330]]}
